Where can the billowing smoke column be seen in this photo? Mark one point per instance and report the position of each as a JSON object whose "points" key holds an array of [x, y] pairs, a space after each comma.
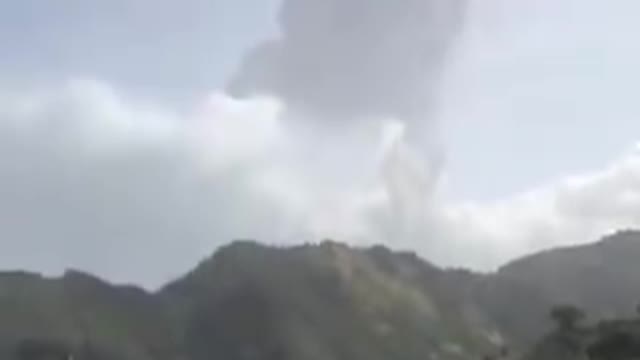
{"points": [[340, 64], [346, 60]]}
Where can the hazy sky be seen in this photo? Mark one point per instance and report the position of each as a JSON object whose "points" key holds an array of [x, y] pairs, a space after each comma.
{"points": [[159, 49], [123, 153]]}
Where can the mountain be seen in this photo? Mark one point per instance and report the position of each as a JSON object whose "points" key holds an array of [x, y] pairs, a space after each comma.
{"points": [[603, 279], [325, 302], [78, 311]]}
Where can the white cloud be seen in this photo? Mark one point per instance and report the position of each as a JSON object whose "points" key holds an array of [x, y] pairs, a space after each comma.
{"points": [[127, 189], [228, 131], [572, 210], [136, 192]]}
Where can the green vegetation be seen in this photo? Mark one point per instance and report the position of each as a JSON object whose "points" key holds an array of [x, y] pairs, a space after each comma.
{"points": [[332, 302]]}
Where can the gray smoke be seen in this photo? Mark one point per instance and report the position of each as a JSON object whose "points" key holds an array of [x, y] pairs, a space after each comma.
{"points": [[343, 60]]}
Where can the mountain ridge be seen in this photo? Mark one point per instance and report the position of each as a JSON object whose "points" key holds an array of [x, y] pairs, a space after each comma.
{"points": [[325, 301]]}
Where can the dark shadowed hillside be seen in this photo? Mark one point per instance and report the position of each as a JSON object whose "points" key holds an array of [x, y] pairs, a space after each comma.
{"points": [[613, 339], [327, 302], [603, 279], [83, 312]]}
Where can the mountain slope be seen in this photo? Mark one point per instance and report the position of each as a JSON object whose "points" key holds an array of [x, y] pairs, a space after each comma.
{"points": [[325, 302], [603, 279], [81, 311]]}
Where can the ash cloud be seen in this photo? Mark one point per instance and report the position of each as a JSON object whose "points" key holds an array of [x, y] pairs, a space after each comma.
{"points": [[342, 60], [342, 67]]}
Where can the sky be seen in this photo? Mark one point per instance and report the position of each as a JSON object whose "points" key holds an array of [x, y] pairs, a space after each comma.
{"points": [[137, 136]]}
